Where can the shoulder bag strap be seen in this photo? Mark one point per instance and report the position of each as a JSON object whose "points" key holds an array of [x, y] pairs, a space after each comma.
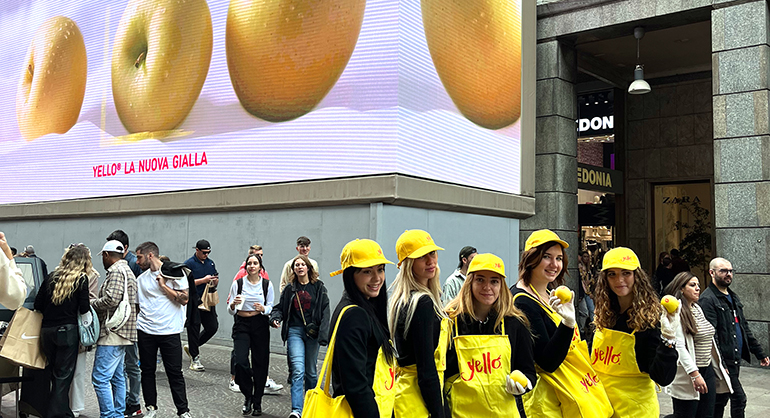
{"points": [[326, 368]]}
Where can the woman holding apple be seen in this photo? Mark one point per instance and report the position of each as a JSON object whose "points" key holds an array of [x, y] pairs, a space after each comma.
{"points": [[635, 339], [251, 301], [489, 330], [567, 384], [363, 366], [419, 326], [700, 373]]}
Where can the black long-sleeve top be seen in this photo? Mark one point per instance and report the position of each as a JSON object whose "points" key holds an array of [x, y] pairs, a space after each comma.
{"points": [[67, 312], [551, 342], [522, 357], [652, 355], [355, 358], [417, 347]]}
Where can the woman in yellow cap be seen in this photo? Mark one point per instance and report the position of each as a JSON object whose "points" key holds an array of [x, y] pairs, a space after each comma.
{"points": [[634, 344], [491, 341], [363, 366], [567, 385], [419, 327]]}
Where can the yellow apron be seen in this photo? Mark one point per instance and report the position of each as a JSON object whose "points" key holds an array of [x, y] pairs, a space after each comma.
{"points": [[408, 402], [384, 385], [631, 392], [572, 390], [479, 389]]}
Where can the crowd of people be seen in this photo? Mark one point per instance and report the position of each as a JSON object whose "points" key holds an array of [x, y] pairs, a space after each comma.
{"points": [[488, 345]]}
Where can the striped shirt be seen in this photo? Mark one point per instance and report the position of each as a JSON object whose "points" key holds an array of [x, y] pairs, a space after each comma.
{"points": [[702, 339]]}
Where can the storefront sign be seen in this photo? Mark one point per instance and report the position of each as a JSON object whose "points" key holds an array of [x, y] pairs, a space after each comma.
{"points": [[596, 114], [600, 179]]}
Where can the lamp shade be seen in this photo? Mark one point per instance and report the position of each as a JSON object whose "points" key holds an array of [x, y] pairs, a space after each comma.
{"points": [[639, 86]]}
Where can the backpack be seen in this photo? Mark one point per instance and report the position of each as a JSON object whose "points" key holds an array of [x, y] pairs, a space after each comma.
{"points": [[265, 286], [89, 331]]}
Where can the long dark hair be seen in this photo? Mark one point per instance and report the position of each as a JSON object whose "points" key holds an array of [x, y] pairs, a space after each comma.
{"points": [[532, 258], [675, 289], [376, 307]]}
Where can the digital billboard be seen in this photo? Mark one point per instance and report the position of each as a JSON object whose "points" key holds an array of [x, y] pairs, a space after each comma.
{"points": [[106, 98]]}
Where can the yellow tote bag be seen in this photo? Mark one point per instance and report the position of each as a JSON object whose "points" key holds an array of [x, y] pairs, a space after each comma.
{"points": [[319, 402], [384, 385], [573, 390]]}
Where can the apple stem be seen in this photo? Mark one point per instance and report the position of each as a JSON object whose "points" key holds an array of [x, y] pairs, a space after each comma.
{"points": [[139, 60]]}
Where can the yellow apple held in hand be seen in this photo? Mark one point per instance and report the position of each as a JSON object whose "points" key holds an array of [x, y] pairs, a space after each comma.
{"points": [[285, 55], [519, 377], [563, 293], [53, 81], [160, 60], [476, 49], [670, 303]]}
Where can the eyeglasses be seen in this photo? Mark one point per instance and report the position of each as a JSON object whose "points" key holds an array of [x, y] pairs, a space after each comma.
{"points": [[205, 251], [71, 246], [726, 271]]}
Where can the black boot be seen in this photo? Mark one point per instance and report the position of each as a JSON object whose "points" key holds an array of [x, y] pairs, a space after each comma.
{"points": [[257, 407], [247, 407]]}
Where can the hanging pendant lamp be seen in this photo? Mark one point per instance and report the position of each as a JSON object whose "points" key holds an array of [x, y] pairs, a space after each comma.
{"points": [[639, 86]]}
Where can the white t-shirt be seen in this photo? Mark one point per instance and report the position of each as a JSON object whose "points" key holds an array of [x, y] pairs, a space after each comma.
{"points": [[253, 294], [159, 315]]}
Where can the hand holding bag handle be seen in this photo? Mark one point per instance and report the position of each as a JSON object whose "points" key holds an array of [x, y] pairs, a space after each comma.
{"points": [[319, 401]]}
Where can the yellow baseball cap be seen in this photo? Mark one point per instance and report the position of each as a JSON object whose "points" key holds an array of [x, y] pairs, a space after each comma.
{"points": [[541, 237], [620, 258], [361, 253], [414, 243], [487, 262]]}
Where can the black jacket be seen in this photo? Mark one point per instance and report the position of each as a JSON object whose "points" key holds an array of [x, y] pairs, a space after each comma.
{"points": [[319, 311], [719, 312]]}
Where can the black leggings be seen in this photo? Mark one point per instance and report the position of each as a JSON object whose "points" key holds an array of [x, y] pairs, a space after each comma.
{"points": [[251, 335], [704, 407]]}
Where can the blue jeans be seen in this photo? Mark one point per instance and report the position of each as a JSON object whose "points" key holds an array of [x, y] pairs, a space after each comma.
{"points": [[109, 380], [303, 359], [133, 375]]}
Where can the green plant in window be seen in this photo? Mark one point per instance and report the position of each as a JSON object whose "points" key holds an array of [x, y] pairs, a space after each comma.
{"points": [[695, 247]]}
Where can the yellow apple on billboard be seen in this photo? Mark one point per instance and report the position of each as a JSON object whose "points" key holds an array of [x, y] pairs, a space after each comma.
{"points": [[53, 80], [476, 49], [285, 55], [160, 60]]}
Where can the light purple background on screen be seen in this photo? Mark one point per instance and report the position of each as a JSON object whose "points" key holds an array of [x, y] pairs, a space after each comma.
{"points": [[387, 113]]}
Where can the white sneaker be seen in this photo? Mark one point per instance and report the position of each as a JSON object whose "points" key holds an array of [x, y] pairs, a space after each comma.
{"points": [[186, 415], [234, 386], [196, 366], [295, 414], [150, 411], [271, 387]]}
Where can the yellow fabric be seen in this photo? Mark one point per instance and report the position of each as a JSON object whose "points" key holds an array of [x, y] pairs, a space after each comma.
{"points": [[573, 389], [361, 253], [488, 262], [631, 392], [319, 401], [479, 390], [384, 385], [542, 236], [408, 400], [620, 258]]}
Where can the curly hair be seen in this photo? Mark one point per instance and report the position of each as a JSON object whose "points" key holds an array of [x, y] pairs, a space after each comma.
{"points": [[645, 309], [463, 304], [75, 266], [532, 258]]}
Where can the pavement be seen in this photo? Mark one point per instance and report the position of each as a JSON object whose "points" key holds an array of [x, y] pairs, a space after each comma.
{"points": [[209, 396]]}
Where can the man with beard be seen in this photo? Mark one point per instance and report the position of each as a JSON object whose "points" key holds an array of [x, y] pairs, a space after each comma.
{"points": [[724, 311]]}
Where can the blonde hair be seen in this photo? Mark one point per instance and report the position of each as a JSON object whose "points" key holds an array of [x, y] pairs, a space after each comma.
{"points": [[75, 265], [645, 309], [463, 304], [406, 291]]}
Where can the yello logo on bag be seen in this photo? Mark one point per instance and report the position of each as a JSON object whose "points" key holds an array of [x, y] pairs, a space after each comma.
{"points": [[486, 365], [606, 356], [587, 381]]}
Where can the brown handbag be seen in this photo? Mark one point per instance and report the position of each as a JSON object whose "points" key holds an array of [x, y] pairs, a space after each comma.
{"points": [[21, 341], [209, 298]]}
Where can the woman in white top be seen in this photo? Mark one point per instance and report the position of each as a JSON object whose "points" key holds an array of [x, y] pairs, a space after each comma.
{"points": [[251, 301], [700, 373]]}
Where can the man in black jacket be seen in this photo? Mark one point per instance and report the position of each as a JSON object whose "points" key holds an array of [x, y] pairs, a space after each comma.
{"points": [[734, 338]]}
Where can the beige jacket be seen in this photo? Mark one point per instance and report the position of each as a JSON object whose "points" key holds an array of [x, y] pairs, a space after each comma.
{"points": [[13, 289]]}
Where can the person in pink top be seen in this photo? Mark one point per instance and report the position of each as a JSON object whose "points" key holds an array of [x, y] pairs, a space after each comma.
{"points": [[270, 386]]}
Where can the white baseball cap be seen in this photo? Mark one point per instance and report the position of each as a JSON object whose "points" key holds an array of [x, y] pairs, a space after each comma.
{"points": [[113, 246]]}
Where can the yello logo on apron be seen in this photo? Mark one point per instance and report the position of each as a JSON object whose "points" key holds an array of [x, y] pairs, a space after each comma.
{"points": [[608, 355], [486, 366]]}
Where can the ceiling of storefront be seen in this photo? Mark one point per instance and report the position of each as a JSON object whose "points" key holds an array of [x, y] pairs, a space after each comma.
{"points": [[664, 52]]}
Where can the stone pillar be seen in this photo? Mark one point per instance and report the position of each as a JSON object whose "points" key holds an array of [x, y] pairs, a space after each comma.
{"points": [[741, 89], [556, 149]]}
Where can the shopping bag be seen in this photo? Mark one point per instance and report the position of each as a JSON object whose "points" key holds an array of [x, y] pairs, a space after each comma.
{"points": [[21, 341], [209, 298], [318, 401]]}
